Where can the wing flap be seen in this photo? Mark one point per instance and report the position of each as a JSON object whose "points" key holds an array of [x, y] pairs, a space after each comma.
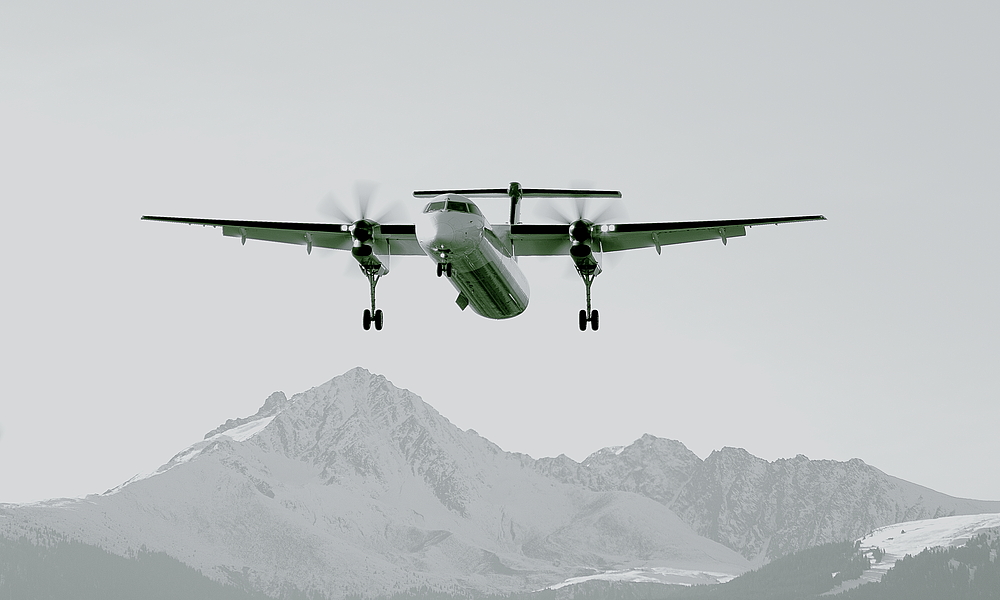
{"points": [[615, 241], [320, 239]]}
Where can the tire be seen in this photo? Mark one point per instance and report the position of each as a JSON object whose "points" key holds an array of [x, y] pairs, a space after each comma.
{"points": [[448, 270], [440, 268], [595, 321], [378, 320], [583, 320], [366, 321]]}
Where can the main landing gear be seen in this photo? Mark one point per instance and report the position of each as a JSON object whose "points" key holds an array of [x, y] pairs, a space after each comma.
{"points": [[373, 315], [444, 269], [589, 316]]}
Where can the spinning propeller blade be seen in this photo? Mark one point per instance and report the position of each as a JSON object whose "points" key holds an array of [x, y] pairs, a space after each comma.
{"points": [[364, 191]]}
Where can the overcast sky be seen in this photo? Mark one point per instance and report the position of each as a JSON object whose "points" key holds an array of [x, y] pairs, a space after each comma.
{"points": [[874, 334]]}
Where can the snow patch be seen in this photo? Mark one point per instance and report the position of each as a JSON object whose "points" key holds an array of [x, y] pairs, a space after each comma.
{"points": [[244, 432], [664, 575], [240, 433], [913, 537]]}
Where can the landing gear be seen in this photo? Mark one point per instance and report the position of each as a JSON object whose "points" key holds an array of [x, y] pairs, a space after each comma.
{"points": [[594, 319], [372, 315], [589, 273], [370, 318], [444, 269]]}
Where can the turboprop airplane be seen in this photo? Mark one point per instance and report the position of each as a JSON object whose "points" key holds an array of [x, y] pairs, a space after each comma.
{"points": [[480, 258]]}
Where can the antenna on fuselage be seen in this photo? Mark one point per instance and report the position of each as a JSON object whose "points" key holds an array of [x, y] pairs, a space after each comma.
{"points": [[515, 192]]}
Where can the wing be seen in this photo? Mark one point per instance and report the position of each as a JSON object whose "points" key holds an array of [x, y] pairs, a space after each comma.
{"points": [[550, 240], [399, 239]]}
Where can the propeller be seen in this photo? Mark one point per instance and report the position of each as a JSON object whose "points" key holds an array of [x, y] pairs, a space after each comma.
{"points": [[363, 193], [360, 218], [583, 212], [581, 219]]}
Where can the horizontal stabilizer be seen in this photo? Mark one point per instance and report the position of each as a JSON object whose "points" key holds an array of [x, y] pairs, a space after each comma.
{"points": [[524, 193]]}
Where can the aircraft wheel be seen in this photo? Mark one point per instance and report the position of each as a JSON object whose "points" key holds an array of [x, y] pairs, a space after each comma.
{"points": [[448, 269], [595, 319], [440, 268], [366, 321], [583, 320], [378, 319]]}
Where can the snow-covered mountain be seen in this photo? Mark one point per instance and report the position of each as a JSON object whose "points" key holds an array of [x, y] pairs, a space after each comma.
{"points": [[356, 486], [761, 509]]}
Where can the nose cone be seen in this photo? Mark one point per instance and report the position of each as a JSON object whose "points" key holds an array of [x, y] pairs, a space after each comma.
{"points": [[437, 233], [444, 234]]}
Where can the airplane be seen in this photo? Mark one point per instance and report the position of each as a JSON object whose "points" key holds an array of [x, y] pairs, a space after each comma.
{"points": [[480, 258]]}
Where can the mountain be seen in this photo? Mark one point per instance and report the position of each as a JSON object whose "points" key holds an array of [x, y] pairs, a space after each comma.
{"points": [[359, 487], [761, 509]]}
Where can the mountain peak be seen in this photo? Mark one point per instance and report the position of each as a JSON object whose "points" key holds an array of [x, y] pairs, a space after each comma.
{"points": [[653, 467]]}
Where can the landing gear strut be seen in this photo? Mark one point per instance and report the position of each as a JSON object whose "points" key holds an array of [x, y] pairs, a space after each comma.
{"points": [[588, 273], [372, 315]]}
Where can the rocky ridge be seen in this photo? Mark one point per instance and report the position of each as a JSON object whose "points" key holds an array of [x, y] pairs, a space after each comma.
{"points": [[761, 509]]}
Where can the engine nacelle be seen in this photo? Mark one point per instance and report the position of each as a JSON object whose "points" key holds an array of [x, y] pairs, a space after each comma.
{"points": [[368, 259], [362, 250], [584, 260]]}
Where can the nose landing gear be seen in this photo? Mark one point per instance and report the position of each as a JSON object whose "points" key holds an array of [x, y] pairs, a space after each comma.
{"points": [[444, 269]]}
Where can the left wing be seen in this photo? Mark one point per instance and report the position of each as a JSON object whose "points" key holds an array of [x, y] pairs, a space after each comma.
{"points": [[554, 240], [398, 239]]}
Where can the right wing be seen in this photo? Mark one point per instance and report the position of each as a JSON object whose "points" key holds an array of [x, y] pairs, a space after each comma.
{"points": [[398, 239], [554, 240]]}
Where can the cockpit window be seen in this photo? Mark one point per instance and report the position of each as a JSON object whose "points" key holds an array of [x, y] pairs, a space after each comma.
{"points": [[455, 205], [466, 207]]}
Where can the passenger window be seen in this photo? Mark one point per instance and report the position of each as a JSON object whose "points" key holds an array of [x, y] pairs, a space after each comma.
{"points": [[434, 206]]}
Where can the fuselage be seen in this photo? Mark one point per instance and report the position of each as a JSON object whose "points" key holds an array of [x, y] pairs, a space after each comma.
{"points": [[452, 230]]}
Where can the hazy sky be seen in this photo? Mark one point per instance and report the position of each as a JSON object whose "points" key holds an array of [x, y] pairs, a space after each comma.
{"points": [[872, 335]]}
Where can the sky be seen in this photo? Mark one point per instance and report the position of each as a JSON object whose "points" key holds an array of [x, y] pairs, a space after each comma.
{"points": [[873, 334]]}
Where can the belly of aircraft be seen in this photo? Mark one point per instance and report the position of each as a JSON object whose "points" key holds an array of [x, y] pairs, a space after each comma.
{"points": [[491, 282], [490, 291]]}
